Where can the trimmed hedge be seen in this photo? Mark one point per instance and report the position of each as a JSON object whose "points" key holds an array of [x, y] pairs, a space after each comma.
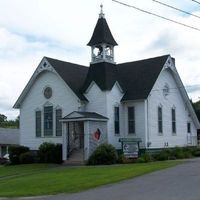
{"points": [[15, 152], [50, 153], [165, 154], [27, 158], [105, 154], [175, 153]]}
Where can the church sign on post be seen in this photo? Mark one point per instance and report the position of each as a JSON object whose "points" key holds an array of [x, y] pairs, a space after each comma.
{"points": [[130, 147], [130, 150]]}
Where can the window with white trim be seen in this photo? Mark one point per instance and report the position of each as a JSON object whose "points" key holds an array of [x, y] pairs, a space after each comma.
{"points": [[38, 123], [131, 120], [160, 120], [173, 112], [48, 121], [116, 119], [189, 127], [58, 123]]}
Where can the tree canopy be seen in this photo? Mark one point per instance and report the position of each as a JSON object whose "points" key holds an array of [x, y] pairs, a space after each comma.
{"points": [[196, 106], [5, 123]]}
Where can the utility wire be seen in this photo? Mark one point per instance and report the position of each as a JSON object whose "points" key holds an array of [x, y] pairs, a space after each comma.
{"points": [[169, 6], [156, 15], [196, 1]]}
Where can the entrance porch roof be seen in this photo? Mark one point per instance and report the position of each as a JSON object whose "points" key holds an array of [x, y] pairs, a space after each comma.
{"points": [[83, 116]]}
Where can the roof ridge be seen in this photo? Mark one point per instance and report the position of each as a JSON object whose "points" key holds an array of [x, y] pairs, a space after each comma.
{"points": [[65, 61], [144, 59]]}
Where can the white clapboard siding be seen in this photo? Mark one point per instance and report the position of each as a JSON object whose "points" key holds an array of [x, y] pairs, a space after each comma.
{"points": [[174, 99], [62, 97]]}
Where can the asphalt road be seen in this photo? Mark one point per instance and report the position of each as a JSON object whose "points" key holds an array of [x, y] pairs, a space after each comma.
{"points": [[178, 183]]}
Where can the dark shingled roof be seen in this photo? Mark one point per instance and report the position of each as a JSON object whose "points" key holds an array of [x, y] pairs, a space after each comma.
{"points": [[103, 74], [102, 34], [135, 78], [85, 115], [9, 136], [74, 75], [138, 77]]}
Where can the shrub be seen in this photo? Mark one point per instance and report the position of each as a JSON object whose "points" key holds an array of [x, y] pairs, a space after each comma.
{"points": [[178, 153], [105, 154], [187, 152], [3, 161], [15, 152], [58, 153], [124, 160], [144, 158], [50, 153], [27, 158], [140, 160], [196, 152], [162, 155], [175, 153]]}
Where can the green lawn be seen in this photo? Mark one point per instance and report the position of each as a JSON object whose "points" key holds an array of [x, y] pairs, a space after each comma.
{"points": [[44, 179]]}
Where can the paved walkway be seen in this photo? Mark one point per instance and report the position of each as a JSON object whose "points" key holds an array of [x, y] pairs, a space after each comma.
{"points": [[178, 183]]}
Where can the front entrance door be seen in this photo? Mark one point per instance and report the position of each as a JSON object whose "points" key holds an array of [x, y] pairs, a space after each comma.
{"points": [[75, 141]]}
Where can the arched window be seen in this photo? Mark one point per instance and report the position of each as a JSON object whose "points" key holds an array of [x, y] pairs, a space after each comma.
{"points": [[38, 123], [160, 120], [131, 120], [48, 120], [116, 119], [58, 123], [173, 120]]}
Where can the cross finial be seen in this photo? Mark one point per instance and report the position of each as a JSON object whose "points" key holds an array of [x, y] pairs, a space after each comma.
{"points": [[101, 15]]}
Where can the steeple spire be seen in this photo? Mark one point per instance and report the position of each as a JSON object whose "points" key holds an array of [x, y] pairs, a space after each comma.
{"points": [[102, 42], [101, 15]]}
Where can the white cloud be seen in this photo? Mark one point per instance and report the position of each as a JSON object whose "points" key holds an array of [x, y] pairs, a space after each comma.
{"points": [[61, 29]]}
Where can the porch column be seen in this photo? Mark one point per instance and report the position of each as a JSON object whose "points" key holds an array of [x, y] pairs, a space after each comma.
{"points": [[86, 140], [64, 146]]}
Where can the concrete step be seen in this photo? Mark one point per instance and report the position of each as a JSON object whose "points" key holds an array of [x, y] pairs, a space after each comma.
{"points": [[73, 163], [77, 155]]}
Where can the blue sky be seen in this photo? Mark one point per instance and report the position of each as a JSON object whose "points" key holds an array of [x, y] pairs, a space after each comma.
{"points": [[61, 29]]}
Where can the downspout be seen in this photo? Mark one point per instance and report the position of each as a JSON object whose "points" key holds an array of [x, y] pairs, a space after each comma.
{"points": [[147, 124]]}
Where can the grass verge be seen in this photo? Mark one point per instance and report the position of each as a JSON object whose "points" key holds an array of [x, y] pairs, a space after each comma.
{"points": [[47, 179]]}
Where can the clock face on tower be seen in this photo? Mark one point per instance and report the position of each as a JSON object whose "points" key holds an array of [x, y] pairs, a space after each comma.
{"points": [[47, 92]]}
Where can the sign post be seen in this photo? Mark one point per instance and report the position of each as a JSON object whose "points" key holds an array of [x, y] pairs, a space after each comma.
{"points": [[130, 147]]}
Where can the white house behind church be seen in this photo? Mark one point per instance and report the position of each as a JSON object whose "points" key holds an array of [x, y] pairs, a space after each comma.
{"points": [[142, 102]]}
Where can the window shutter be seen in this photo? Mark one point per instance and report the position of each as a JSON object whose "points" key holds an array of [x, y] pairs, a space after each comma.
{"points": [[58, 123], [38, 123]]}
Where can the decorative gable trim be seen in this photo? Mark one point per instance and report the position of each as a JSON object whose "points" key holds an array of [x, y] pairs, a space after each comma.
{"points": [[42, 67], [170, 65], [185, 97]]}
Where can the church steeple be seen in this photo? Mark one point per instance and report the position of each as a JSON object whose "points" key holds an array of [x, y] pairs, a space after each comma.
{"points": [[102, 42], [101, 15]]}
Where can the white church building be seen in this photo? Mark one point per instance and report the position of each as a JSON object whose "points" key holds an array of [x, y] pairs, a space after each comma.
{"points": [[143, 103]]}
